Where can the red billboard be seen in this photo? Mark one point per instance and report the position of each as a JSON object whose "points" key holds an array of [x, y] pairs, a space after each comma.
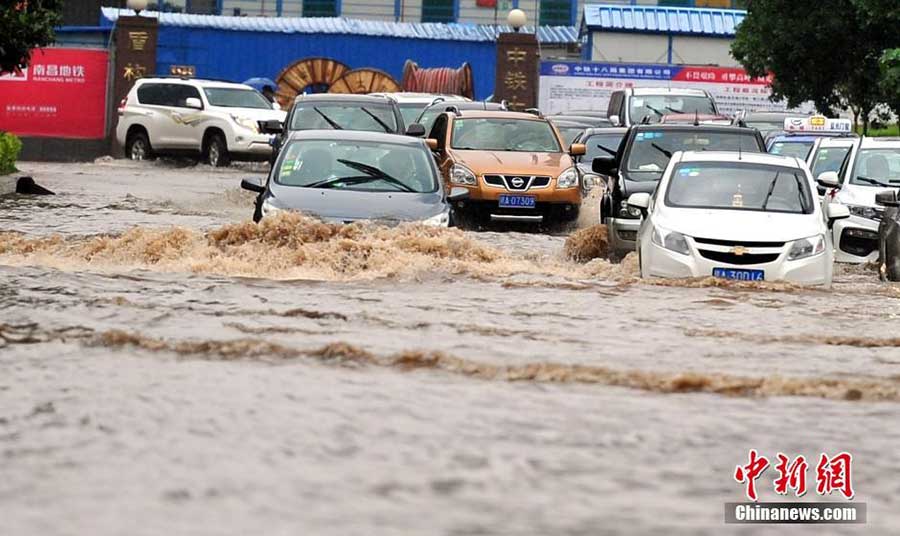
{"points": [[62, 94]]}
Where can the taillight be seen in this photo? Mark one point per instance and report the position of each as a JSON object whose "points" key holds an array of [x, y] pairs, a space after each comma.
{"points": [[122, 105]]}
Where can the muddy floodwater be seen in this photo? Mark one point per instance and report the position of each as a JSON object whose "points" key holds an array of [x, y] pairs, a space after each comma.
{"points": [[168, 367]]}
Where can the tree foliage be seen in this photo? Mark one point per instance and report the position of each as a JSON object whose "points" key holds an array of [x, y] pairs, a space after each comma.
{"points": [[828, 52], [25, 25]]}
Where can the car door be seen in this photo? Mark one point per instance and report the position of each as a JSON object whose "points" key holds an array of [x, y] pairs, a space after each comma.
{"points": [[186, 128], [155, 117], [439, 132]]}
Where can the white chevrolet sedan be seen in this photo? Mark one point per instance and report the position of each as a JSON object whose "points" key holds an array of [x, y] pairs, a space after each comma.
{"points": [[750, 216]]}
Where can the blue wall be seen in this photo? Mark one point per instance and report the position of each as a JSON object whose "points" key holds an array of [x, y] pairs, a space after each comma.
{"points": [[238, 55]]}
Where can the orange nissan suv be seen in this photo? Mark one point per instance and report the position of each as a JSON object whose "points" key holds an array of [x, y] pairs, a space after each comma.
{"points": [[514, 165]]}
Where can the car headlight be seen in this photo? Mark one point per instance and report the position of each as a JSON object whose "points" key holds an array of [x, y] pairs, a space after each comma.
{"points": [[863, 212], [460, 174], [806, 247], [568, 178], [671, 240], [438, 220], [270, 206], [590, 180], [628, 211], [247, 123]]}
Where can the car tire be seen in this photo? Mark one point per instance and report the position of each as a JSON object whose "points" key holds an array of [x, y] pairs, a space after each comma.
{"points": [[137, 146], [891, 262], [216, 151]]}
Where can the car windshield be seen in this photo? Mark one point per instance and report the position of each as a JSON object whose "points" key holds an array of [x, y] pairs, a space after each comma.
{"points": [[494, 134], [602, 145], [739, 186], [656, 106], [569, 134], [410, 112], [799, 149], [651, 150], [371, 117], [356, 165], [829, 159], [877, 167], [236, 98]]}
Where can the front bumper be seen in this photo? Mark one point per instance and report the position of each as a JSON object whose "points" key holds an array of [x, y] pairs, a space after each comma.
{"points": [[856, 240], [247, 143], [622, 233], [657, 261]]}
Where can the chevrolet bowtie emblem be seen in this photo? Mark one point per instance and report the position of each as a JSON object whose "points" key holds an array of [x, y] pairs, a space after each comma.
{"points": [[739, 250]]}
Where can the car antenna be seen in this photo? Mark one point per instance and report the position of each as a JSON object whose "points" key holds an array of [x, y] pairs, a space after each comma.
{"points": [[740, 146]]}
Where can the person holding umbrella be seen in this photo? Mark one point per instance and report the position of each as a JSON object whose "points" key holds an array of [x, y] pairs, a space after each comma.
{"points": [[265, 86]]}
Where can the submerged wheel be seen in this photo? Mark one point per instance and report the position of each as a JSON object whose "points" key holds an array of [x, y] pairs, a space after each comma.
{"points": [[137, 146], [217, 151]]}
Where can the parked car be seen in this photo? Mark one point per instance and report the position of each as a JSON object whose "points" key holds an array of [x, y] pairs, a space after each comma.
{"points": [[801, 134], [429, 114], [748, 216], [633, 106], [690, 119], [514, 165], [872, 167], [766, 121], [412, 104], [219, 121], [639, 163], [346, 176], [889, 235]]}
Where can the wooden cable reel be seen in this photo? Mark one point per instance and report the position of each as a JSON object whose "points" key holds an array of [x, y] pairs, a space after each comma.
{"points": [[315, 74], [439, 80], [362, 81]]}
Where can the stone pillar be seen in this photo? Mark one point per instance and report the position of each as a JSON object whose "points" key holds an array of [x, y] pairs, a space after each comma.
{"points": [[516, 82], [135, 57]]}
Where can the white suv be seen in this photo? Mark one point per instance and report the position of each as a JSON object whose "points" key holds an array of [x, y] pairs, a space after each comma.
{"points": [[635, 105], [219, 120]]}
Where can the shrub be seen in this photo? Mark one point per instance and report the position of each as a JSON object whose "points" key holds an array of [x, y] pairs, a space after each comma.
{"points": [[9, 152]]}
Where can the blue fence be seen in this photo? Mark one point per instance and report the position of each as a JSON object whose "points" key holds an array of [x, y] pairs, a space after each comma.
{"points": [[238, 55]]}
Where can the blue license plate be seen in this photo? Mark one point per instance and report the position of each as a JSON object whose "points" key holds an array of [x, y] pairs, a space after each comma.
{"points": [[516, 201], [740, 275]]}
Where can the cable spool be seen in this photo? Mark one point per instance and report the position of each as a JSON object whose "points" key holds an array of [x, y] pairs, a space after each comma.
{"points": [[362, 81], [439, 79], [314, 75]]}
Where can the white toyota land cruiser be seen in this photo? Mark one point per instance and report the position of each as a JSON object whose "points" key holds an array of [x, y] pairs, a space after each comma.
{"points": [[219, 120]]}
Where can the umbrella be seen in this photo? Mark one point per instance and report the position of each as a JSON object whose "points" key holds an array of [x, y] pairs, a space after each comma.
{"points": [[258, 83]]}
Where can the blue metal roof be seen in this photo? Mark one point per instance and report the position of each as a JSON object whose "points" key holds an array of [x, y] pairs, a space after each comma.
{"points": [[341, 25], [663, 20]]}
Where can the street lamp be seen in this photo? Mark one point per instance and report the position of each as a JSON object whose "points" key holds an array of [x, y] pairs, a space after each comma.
{"points": [[137, 5], [516, 19]]}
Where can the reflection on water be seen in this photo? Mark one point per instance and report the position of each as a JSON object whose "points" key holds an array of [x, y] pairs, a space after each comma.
{"points": [[168, 367]]}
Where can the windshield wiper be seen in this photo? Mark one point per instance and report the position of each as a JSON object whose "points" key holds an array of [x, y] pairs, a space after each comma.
{"points": [[360, 179], [660, 149], [771, 189], [376, 173], [673, 110], [328, 120], [377, 120], [607, 149], [654, 110], [876, 182]]}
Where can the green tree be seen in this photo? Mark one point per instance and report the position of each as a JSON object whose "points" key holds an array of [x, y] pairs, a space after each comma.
{"points": [[25, 25], [826, 51], [890, 81]]}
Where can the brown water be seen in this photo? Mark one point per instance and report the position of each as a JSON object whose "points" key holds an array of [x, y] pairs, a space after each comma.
{"points": [[168, 368]]}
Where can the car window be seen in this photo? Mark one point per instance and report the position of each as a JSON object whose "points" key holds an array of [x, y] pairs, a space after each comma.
{"points": [[656, 106], [357, 165], [739, 186], [799, 149], [569, 134], [156, 94], [179, 93], [371, 117], [496, 134], [829, 159], [651, 150], [236, 98], [596, 143], [410, 112], [876, 167], [439, 131]]}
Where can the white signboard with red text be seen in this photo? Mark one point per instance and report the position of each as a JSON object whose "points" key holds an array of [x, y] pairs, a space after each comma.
{"points": [[566, 85]]}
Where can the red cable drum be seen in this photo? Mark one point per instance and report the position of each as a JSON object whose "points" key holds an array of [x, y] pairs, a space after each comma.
{"points": [[438, 79]]}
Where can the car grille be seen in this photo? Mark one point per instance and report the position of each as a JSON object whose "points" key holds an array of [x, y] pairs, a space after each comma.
{"points": [[731, 243], [517, 183], [859, 242], [731, 258]]}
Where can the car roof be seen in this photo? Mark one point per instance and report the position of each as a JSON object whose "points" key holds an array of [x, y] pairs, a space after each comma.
{"points": [[195, 81], [568, 123], [465, 105], [668, 91], [801, 138], [341, 97], [840, 141], [500, 114], [883, 143], [356, 135], [733, 156], [411, 97], [684, 127], [605, 130]]}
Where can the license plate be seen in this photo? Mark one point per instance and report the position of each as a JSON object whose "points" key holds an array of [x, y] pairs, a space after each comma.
{"points": [[740, 275], [516, 201]]}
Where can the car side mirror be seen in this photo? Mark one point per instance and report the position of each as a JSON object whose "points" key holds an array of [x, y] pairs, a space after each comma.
{"points": [[577, 149], [458, 193], [272, 126], [432, 144], [253, 185], [614, 119], [604, 165], [276, 106], [193, 102], [836, 211], [829, 179], [640, 201], [416, 130], [889, 198]]}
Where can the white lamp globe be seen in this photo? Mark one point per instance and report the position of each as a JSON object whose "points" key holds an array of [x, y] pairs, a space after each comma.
{"points": [[137, 5], [516, 19]]}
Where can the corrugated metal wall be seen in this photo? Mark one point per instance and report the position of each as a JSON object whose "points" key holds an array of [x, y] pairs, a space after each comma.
{"points": [[234, 55]]}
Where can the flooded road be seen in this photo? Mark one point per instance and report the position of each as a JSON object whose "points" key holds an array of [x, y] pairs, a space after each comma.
{"points": [[167, 367]]}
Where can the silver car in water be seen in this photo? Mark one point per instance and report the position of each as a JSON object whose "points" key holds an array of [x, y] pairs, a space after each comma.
{"points": [[345, 176]]}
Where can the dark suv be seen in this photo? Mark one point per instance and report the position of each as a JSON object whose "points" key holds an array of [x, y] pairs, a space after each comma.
{"points": [[640, 161]]}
